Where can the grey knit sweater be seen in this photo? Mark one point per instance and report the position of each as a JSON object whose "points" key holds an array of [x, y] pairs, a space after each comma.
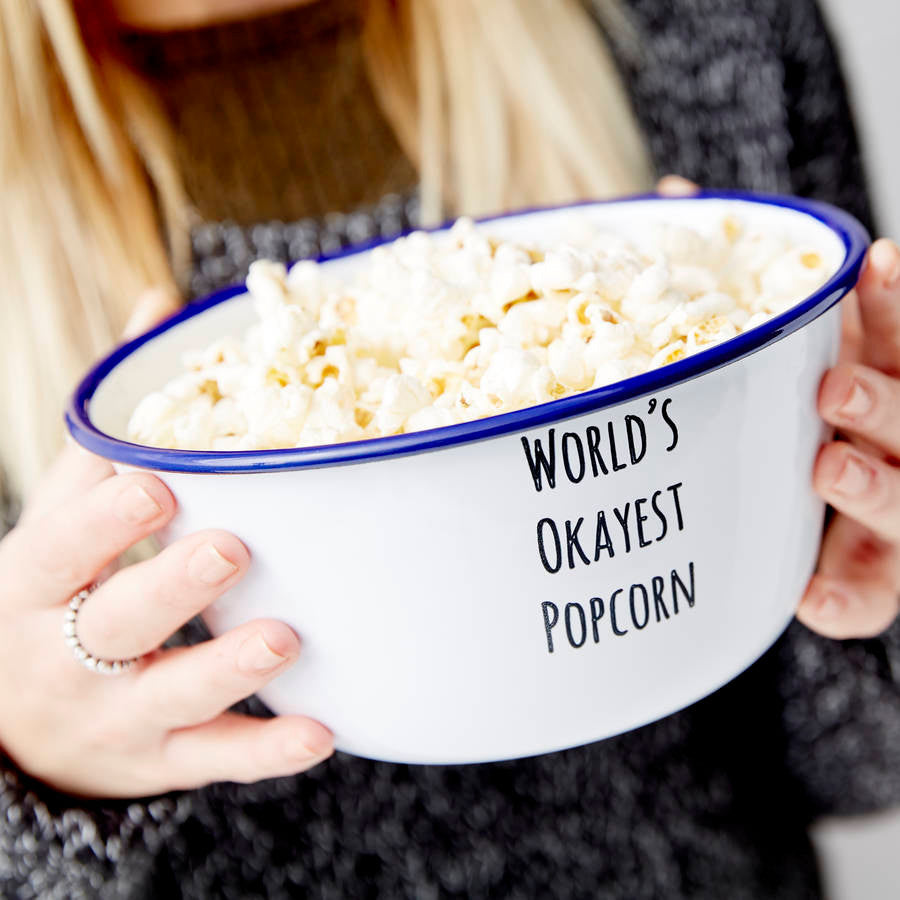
{"points": [[712, 802]]}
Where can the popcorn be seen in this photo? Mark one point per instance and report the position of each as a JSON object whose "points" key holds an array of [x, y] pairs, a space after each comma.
{"points": [[403, 396], [789, 278], [435, 330], [535, 322], [509, 377], [560, 270], [566, 359]]}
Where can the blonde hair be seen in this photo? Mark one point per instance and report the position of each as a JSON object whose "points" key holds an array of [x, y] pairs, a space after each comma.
{"points": [[505, 103], [500, 103]]}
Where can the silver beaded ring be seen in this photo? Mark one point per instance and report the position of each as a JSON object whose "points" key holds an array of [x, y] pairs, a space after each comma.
{"points": [[103, 666]]}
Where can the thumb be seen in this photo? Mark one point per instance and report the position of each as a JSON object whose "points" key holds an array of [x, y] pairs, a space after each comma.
{"points": [[676, 186], [879, 307], [152, 306]]}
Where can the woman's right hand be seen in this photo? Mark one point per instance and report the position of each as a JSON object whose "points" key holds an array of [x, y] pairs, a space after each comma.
{"points": [[163, 725]]}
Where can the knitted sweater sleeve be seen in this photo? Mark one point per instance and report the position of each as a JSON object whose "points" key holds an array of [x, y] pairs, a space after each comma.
{"points": [[841, 714], [841, 698], [56, 847], [824, 159]]}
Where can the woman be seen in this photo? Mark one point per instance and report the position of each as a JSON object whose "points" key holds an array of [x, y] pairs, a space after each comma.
{"points": [[496, 104]]}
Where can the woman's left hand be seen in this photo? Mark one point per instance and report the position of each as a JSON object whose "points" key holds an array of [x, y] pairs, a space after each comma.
{"points": [[856, 590]]}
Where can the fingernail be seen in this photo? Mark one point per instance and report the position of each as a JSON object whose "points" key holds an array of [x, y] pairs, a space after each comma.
{"points": [[300, 752], [854, 478], [886, 256], [676, 186], [255, 656], [859, 401], [152, 305], [135, 506], [208, 566], [831, 605], [139, 320]]}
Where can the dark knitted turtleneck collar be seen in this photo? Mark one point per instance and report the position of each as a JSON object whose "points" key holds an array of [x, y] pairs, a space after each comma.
{"points": [[274, 117]]}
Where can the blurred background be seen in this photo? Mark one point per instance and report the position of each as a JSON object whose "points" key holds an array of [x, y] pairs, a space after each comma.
{"points": [[867, 33], [861, 857]]}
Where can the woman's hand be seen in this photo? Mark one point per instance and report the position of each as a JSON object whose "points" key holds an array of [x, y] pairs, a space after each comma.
{"points": [[856, 590], [163, 725]]}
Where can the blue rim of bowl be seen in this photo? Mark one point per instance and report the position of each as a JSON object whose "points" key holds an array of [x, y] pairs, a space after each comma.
{"points": [[855, 239]]}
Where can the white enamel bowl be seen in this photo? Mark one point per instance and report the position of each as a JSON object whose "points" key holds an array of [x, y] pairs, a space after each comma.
{"points": [[452, 612]]}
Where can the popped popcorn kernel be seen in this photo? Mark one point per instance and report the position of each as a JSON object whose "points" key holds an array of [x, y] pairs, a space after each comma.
{"points": [[732, 229], [811, 260], [438, 329], [669, 354]]}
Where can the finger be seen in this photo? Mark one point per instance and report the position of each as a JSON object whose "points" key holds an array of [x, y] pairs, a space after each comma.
{"points": [[841, 609], [879, 305], [190, 685], [73, 471], [144, 604], [50, 558], [863, 401], [240, 748], [854, 594], [860, 486], [676, 186], [851, 329], [152, 306]]}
